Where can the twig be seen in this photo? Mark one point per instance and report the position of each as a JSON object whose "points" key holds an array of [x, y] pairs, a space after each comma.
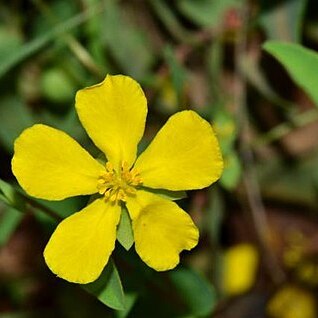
{"points": [[256, 207]]}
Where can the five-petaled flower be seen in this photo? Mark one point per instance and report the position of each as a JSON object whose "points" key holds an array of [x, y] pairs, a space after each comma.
{"points": [[49, 164]]}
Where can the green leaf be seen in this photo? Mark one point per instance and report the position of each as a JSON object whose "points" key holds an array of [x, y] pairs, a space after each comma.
{"points": [[198, 294], [108, 288], [10, 41], [130, 299], [125, 234], [4, 199], [300, 62], [206, 13], [11, 196], [232, 171], [167, 194], [17, 118], [9, 220], [282, 20]]}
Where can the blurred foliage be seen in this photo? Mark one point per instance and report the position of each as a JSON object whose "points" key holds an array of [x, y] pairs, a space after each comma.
{"points": [[248, 67]]}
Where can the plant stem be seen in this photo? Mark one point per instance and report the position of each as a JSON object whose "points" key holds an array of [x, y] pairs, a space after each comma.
{"points": [[38, 43], [76, 47], [255, 207], [170, 21], [37, 205], [285, 128]]}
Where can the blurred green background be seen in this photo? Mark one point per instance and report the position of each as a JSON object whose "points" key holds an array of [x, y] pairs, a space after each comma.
{"points": [[258, 250]]}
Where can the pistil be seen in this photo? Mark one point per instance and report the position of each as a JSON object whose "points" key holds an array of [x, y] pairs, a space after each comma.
{"points": [[117, 186]]}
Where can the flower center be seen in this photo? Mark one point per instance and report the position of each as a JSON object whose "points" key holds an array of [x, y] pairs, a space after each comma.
{"points": [[117, 186]]}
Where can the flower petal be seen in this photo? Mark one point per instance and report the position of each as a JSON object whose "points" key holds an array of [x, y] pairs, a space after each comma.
{"points": [[184, 155], [51, 165], [80, 247], [161, 230], [114, 114]]}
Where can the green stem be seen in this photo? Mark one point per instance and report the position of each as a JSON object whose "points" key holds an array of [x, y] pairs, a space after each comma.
{"points": [[37, 205], [35, 45], [170, 21], [75, 46], [19, 200], [255, 209], [285, 128]]}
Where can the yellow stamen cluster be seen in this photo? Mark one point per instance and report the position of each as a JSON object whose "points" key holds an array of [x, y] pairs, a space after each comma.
{"points": [[117, 186]]}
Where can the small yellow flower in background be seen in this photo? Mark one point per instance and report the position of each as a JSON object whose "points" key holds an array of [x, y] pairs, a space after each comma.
{"points": [[292, 302], [49, 164], [239, 269]]}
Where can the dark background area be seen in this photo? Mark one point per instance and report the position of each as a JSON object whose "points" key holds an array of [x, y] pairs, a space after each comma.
{"points": [[257, 255]]}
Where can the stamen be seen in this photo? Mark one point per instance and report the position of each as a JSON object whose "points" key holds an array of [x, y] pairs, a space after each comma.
{"points": [[116, 186], [109, 167]]}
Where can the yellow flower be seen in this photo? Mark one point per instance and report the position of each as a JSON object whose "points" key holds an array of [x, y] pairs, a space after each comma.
{"points": [[240, 264], [51, 165], [292, 302]]}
